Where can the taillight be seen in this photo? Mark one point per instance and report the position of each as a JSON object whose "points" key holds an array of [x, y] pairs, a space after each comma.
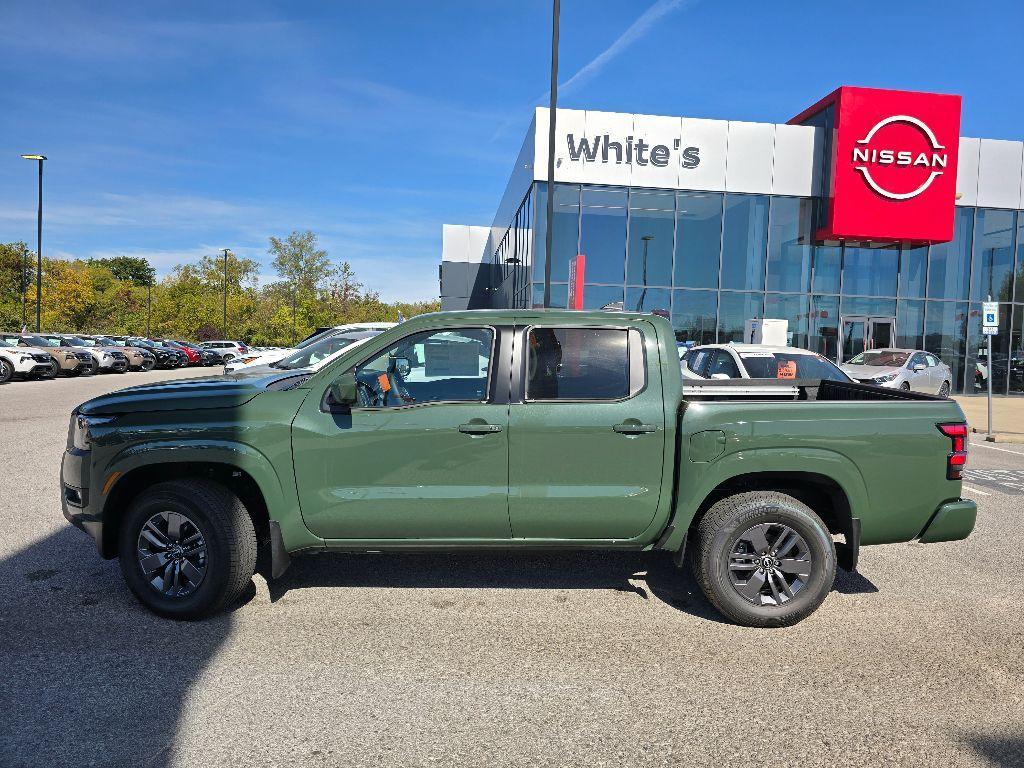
{"points": [[957, 459]]}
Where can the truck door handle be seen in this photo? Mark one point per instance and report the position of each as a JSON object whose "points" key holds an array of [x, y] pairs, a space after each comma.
{"points": [[479, 428], [634, 428]]}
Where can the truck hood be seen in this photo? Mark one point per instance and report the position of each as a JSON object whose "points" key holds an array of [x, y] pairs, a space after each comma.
{"points": [[184, 394], [869, 371]]}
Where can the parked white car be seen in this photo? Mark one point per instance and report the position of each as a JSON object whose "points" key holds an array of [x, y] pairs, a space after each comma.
{"points": [[244, 362], [906, 369], [24, 362], [314, 356], [757, 361]]}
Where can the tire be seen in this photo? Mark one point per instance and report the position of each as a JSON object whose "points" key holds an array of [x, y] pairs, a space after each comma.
{"points": [[228, 357], [944, 389], [6, 371], [721, 534], [227, 560], [50, 375], [905, 386]]}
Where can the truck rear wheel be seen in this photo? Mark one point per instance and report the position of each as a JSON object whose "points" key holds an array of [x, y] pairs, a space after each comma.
{"points": [[187, 548], [764, 559]]}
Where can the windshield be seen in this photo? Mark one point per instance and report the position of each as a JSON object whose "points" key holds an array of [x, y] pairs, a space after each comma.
{"points": [[142, 343], [317, 352], [39, 341], [882, 358], [81, 342], [107, 342], [790, 365], [315, 338]]}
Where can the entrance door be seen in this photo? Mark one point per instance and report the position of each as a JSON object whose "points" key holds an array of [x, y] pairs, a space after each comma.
{"points": [[860, 333]]}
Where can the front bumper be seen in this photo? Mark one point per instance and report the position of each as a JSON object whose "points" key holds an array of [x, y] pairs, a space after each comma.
{"points": [[951, 522], [75, 497]]}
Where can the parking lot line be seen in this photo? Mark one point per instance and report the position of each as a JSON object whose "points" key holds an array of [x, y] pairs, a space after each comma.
{"points": [[994, 448], [970, 489]]}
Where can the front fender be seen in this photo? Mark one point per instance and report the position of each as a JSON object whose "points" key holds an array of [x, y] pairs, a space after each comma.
{"points": [[278, 493], [698, 480]]}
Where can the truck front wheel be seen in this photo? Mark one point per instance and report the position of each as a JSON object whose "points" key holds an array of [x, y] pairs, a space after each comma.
{"points": [[187, 548], [764, 559]]}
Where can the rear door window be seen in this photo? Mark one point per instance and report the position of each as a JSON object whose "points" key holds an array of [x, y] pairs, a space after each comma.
{"points": [[578, 364], [697, 360], [722, 363], [787, 365]]}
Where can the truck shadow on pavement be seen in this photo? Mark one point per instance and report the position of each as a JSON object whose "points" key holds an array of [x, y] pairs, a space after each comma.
{"points": [[1000, 751], [90, 677], [645, 574]]}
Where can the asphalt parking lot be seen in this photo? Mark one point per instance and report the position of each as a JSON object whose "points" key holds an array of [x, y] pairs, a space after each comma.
{"points": [[446, 660]]}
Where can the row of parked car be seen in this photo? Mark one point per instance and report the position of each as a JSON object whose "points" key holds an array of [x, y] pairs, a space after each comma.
{"points": [[47, 355], [903, 369]]}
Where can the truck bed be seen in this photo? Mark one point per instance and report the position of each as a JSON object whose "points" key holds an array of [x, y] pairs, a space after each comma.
{"points": [[796, 389]]}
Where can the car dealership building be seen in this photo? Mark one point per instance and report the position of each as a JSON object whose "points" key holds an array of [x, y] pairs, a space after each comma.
{"points": [[865, 221]]}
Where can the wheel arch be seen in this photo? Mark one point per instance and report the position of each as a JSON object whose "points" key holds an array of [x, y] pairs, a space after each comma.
{"points": [[821, 493], [135, 481]]}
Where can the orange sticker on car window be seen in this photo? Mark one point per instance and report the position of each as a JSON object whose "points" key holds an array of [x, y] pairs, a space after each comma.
{"points": [[384, 382], [786, 370]]}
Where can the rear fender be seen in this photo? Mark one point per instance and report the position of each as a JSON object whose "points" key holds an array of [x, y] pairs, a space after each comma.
{"points": [[697, 481]]}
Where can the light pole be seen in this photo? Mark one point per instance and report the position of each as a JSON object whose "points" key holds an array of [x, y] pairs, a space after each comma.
{"points": [[549, 229], [24, 288], [225, 292], [643, 293], [149, 304], [39, 243]]}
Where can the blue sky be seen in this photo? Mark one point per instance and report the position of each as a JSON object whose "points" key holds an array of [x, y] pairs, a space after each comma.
{"points": [[175, 129]]}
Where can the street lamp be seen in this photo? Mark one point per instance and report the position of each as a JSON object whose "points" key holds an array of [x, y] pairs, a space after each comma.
{"points": [[552, 110], [643, 293], [39, 243]]}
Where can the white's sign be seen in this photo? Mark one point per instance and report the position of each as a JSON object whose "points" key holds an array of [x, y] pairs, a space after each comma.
{"points": [[606, 148]]}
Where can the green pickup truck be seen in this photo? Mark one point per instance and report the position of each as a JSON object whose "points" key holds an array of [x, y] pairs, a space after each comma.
{"points": [[528, 429]]}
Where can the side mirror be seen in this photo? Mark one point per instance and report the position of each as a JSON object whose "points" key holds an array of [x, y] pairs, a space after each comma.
{"points": [[919, 367], [343, 390]]}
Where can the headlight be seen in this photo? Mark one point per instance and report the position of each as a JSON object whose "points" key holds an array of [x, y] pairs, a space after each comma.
{"points": [[26, 358], [70, 356], [107, 355], [885, 378], [81, 437]]}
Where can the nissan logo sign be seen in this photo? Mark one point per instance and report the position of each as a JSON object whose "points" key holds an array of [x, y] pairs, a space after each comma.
{"points": [[878, 150]]}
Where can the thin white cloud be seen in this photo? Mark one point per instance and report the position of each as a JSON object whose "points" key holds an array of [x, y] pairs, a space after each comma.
{"points": [[630, 36], [633, 33]]}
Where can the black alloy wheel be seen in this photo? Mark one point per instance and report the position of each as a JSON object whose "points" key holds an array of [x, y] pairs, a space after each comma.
{"points": [[763, 558], [6, 371]]}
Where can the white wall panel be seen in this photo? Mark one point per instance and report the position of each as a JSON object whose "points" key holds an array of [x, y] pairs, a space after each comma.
{"points": [[999, 173], [967, 171], [661, 132], [748, 165], [794, 163], [711, 137], [455, 242], [569, 121]]}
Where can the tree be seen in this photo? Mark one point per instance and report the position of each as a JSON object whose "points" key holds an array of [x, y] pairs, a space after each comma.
{"points": [[17, 273], [129, 269], [299, 262]]}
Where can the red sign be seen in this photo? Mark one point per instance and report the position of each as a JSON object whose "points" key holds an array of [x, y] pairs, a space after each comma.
{"points": [[892, 170], [577, 271]]}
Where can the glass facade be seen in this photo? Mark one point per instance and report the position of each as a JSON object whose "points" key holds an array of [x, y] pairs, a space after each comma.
{"points": [[710, 261]]}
